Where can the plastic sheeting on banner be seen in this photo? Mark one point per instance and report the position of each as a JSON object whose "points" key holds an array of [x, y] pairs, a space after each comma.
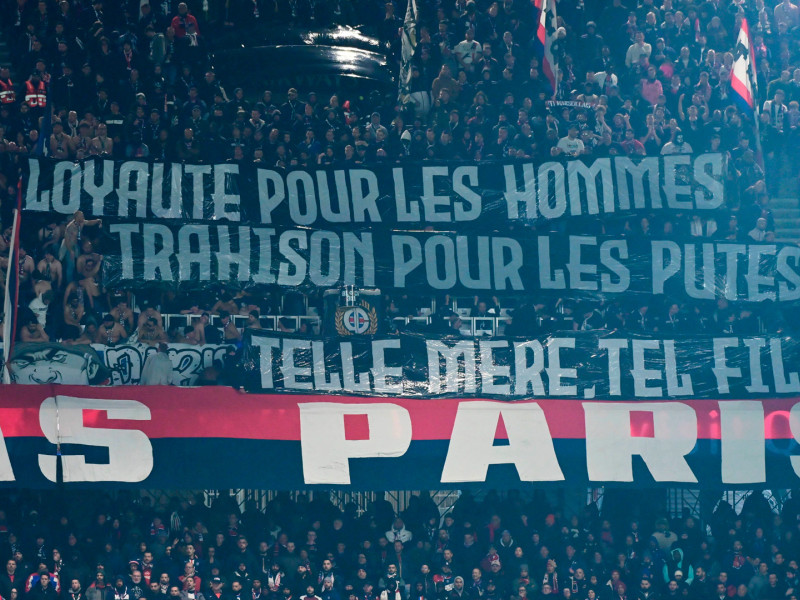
{"points": [[585, 365], [173, 438], [411, 194]]}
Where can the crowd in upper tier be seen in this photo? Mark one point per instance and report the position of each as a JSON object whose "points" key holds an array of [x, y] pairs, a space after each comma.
{"points": [[137, 78]]}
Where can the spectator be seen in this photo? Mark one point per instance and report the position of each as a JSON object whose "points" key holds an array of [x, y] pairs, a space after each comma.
{"points": [[570, 145], [157, 369]]}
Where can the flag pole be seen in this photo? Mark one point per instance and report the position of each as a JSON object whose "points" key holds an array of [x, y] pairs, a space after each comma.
{"points": [[408, 46], [10, 308], [756, 99], [757, 120]]}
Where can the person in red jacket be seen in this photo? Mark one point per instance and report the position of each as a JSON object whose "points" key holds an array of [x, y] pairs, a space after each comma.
{"points": [[182, 20]]}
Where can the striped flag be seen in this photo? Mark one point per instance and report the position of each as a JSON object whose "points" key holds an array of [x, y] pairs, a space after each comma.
{"points": [[744, 44], [742, 75], [548, 23], [408, 46], [744, 84]]}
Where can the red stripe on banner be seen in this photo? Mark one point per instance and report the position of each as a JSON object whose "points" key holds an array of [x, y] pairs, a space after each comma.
{"points": [[219, 412], [356, 427], [225, 413], [642, 424], [741, 89], [20, 421]]}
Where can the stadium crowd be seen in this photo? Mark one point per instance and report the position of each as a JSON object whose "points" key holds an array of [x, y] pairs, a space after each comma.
{"points": [[495, 549], [134, 79], [137, 79]]}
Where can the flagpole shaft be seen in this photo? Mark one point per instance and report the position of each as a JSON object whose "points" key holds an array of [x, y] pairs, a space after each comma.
{"points": [[8, 321], [757, 123]]}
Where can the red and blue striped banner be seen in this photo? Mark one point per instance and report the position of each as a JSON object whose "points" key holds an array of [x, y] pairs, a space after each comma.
{"points": [[220, 438]]}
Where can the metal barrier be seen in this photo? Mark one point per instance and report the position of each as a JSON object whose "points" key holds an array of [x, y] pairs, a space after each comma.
{"points": [[269, 322], [470, 326]]}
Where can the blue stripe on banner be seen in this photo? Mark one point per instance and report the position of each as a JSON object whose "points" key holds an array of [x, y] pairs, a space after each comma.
{"points": [[258, 464]]}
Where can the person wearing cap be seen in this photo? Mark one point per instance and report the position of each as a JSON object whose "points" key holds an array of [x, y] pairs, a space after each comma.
{"points": [[590, 43], [312, 100], [216, 586]]}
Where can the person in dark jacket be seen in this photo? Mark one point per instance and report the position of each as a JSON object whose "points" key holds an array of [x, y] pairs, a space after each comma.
{"points": [[44, 590], [100, 589], [9, 578]]}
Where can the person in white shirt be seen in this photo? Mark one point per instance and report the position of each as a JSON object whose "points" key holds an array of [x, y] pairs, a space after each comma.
{"points": [[571, 145], [776, 109], [157, 368], [759, 232], [39, 306], [702, 228], [468, 52], [636, 50], [398, 532]]}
